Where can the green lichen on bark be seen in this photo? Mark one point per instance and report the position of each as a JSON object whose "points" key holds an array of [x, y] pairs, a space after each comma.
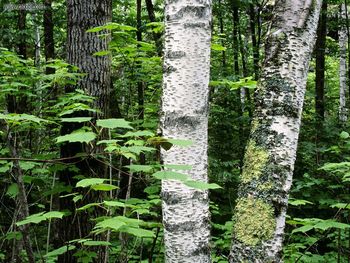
{"points": [[254, 221], [255, 160]]}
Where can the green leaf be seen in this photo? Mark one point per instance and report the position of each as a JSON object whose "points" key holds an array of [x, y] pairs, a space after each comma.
{"points": [[217, 47], [96, 243], [88, 206], [114, 203], [303, 229], [169, 175], [103, 187], [114, 123], [77, 198], [341, 206], [112, 223], [178, 166], [36, 218], [331, 224], [102, 53], [138, 232], [344, 135], [183, 143], [297, 202], [54, 214], [59, 251], [80, 136], [76, 119], [12, 191], [138, 134], [139, 168], [90, 181], [201, 185]]}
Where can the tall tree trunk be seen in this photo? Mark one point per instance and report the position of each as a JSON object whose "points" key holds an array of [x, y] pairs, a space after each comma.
{"points": [[256, 56], [235, 39], [185, 116], [320, 65], [156, 36], [270, 154], [222, 32], [343, 39], [22, 45], [81, 46], [49, 42]]}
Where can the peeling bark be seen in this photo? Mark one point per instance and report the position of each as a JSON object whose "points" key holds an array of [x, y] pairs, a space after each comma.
{"points": [[185, 116], [271, 151]]}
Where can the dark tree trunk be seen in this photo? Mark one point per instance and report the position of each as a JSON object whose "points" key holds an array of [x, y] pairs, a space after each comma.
{"points": [[48, 35], [22, 45], [252, 20], [81, 46], [156, 36], [320, 64], [235, 39], [221, 23]]}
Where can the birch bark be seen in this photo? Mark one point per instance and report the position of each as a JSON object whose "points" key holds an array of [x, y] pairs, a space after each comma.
{"points": [[185, 116], [343, 39], [270, 154]]}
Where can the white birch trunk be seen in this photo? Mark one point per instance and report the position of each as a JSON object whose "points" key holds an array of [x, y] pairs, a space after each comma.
{"points": [[343, 39], [185, 116], [270, 154]]}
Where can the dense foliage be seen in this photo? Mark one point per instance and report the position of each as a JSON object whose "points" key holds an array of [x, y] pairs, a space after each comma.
{"points": [[122, 206]]}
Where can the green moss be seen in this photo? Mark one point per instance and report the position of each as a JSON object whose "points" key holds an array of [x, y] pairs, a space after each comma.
{"points": [[255, 160], [254, 221], [265, 186], [254, 125]]}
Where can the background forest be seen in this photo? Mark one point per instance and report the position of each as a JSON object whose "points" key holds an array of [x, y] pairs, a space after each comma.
{"points": [[80, 168]]}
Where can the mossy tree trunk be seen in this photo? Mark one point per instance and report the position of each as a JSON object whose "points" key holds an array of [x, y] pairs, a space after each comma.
{"points": [[185, 116], [270, 154]]}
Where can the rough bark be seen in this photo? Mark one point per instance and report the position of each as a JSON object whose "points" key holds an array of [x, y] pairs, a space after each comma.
{"points": [[81, 46], [49, 42], [185, 116], [320, 48], [343, 39], [270, 153], [84, 15]]}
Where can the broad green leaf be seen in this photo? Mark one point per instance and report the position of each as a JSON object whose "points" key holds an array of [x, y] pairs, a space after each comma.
{"points": [[114, 203], [76, 119], [77, 198], [80, 136], [341, 205], [178, 166], [138, 134], [102, 53], [217, 47], [12, 191], [344, 135], [297, 202], [139, 168], [114, 123], [54, 214], [88, 206], [27, 165], [303, 229], [201, 185], [331, 224], [112, 223], [96, 243], [103, 187], [36, 218], [138, 232], [183, 143], [169, 175], [90, 181], [59, 251]]}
